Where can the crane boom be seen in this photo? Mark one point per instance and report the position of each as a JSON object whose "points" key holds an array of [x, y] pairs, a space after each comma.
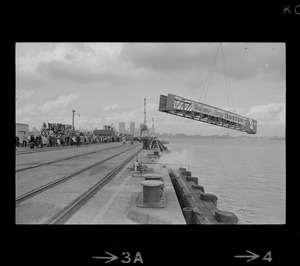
{"points": [[183, 107]]}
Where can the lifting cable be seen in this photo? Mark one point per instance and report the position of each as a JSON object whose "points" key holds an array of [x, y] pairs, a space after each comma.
{"points": [[226, 78], [226, 89], [161, 120], [207, 81]]}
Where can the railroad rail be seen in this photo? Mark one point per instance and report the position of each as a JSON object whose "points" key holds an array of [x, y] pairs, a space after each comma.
{"points": [[55, 148], [65, 212], [64, 159], [60, 180]]}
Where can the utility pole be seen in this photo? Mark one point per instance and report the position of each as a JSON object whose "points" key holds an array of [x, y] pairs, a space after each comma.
{"points": [[73, 119], [153, 126], [145, 122]]}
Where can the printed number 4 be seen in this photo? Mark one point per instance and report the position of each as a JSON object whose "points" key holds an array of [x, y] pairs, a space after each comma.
{"points": [[268, 257]]}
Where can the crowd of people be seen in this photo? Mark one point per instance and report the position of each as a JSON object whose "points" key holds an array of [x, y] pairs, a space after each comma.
{"points": [[50, 138], [53, 140], [149, 143]]}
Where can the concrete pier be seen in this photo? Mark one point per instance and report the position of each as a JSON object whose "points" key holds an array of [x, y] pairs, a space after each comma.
{"points": [[116, 203], [198, 207]]}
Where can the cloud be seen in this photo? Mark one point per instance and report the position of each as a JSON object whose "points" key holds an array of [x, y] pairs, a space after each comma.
{"points": [[111, 107], [251, 59], [242, 60], [78, 72], [272, 113], [166, 56], [70, 56], [25, 94], [28, 109], [56, 69], [27, 80], [60, 102], [77, 62]]}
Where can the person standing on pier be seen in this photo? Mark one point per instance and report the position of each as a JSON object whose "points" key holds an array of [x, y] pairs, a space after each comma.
{"points": [[78, 140], [17, 141], [144, 143], [32, 141], [44, 141], [49, 141], [36, 141], [24, 140]]}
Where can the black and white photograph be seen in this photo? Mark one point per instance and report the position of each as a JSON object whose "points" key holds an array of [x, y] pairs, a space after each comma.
{"points": [[156, 133], [151, 135], [156, 136]]}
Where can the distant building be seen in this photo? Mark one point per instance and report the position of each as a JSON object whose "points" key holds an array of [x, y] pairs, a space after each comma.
{"points": [[132, 127], [104, 132], [144, 131], [34, 132], [122, 127], [152, 129], [137, 132], [21, 129]]}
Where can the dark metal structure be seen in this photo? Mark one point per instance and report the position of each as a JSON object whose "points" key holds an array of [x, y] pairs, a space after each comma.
{"points": [[179, 106]]}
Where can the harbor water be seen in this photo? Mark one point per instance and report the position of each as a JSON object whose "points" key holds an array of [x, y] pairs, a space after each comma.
{"points": [[247, 175]]}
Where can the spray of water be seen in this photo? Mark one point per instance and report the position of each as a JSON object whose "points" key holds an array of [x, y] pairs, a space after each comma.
{"points": [[176, 159]]}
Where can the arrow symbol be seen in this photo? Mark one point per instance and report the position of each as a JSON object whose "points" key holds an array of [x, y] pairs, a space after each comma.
{"points": [[111, 258], [253, 256]]}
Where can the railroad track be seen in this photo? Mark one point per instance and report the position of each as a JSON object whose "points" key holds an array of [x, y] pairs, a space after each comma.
{"points": [[64, 159], [55, 148], [62, 179], [21, 152], [63, 214]]}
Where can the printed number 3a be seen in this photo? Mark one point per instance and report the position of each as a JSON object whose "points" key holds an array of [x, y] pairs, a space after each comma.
{"points": [[138, 257], [268, 257]]}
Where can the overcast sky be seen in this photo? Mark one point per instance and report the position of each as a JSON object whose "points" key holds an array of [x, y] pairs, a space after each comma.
{"points": [[107, 83]]}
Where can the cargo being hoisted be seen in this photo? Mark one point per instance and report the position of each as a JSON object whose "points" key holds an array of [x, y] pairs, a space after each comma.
{"points": [[183, 107]]}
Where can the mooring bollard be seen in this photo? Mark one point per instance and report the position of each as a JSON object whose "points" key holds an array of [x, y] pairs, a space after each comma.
{"points": [[194, 179], [226, 217], [171, 172], [153, 176], [152, 190], [188, 173], [185, 199], [188, 214], [198, 187], [209, 197]]}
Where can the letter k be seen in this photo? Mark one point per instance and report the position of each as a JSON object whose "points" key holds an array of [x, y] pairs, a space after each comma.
{"points": [[287, 9]]}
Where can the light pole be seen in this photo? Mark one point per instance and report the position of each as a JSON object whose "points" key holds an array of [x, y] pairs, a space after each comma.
{"points": [[73, 119]]}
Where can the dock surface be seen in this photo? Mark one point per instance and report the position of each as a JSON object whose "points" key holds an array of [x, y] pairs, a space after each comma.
{"points": [[105, 170]]}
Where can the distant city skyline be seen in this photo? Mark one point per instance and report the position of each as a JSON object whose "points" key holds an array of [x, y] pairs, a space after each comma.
{"points": [[122, 128], [107, 83], [132, 127]]}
